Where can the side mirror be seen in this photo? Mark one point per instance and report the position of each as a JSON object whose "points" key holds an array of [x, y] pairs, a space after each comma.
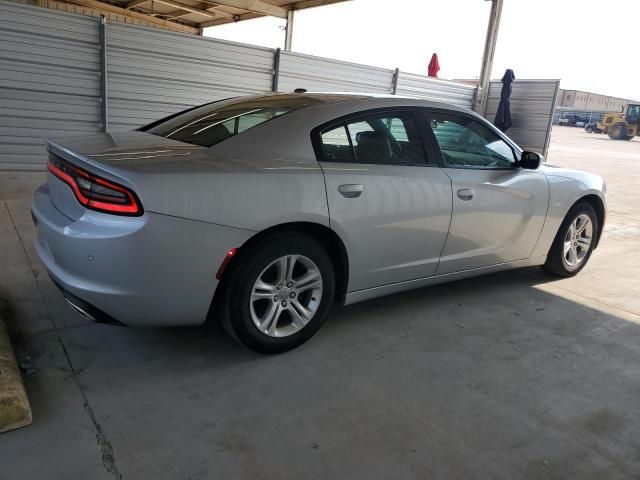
{"points": [[530, 160]]}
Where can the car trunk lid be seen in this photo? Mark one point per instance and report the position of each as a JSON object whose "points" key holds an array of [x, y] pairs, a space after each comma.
{"points": [[122, 158]]}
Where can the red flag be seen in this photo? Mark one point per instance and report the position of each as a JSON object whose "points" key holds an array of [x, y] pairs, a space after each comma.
{"points": [[434, 66]]}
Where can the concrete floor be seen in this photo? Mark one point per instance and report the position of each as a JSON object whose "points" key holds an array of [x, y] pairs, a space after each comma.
{"points": [[514, 375]]}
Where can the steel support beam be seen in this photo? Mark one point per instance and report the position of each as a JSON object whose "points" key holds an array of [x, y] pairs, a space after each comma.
{"points": [[288, 39], [276, 70], [394, 81], [103, 74], [487, 58]]}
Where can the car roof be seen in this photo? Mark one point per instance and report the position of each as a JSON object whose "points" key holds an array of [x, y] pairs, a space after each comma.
{"points": [[371, 100]]}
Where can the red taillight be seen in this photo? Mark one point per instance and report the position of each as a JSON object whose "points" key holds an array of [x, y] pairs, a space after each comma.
{"points": [[95, 192]]}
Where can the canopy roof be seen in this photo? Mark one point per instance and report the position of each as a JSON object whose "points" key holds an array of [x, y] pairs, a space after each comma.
{"points": [[192, 15]]}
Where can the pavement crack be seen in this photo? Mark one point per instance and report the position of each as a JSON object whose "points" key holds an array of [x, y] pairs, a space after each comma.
{"points": [[108, 457]]}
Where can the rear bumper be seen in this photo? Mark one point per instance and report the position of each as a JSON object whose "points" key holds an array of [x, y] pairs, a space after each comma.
{"points": [[153, 270]]}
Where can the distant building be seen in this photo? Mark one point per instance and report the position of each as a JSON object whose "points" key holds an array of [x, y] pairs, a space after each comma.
{"points": [[579, 100]]}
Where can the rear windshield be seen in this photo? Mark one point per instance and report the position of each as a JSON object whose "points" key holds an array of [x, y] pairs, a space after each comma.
{"points": [[214, 122]]}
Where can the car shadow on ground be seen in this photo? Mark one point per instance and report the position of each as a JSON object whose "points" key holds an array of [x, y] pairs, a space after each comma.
{"points": [[401, 309], [491, 375]]}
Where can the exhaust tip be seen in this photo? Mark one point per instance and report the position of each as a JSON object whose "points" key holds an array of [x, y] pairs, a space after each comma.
{"points": [[80, 310], [84, 308]]}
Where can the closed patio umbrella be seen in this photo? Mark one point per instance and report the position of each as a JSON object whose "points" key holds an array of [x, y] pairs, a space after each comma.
{"points": [[503, 114], [434, 66]]}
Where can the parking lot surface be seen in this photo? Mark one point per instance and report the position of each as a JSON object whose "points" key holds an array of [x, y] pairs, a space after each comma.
{"points": [[512, 375]]}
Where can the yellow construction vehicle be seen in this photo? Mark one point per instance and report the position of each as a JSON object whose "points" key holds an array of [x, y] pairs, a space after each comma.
{"points": [[622, 126]]}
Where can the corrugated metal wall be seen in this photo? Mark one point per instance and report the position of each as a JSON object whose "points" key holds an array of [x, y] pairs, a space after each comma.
{"points": [[327, 75], [49, 81], [532, 106], [152, 73], [419, 86]]}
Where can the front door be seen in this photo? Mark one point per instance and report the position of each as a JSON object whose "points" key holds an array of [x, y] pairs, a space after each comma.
{"points": [[386, 200], [498, 208]]}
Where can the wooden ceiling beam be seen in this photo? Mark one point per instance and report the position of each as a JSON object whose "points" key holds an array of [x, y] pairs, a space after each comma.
{"points": [[208, 12], [185, 7], [135, 3], [108, 8], [226, 21], [256, 6], [174, 14]]}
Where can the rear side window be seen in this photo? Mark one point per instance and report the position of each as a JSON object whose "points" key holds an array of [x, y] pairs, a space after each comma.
{"points": [[212, 123], [387, 138], [336, 144]]}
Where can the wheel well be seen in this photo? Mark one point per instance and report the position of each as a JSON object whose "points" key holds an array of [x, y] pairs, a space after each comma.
{"points": [[597, 204], [329, 239]]}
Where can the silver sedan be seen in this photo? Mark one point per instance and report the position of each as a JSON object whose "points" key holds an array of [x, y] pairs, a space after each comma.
{"points": [[265, 210]]}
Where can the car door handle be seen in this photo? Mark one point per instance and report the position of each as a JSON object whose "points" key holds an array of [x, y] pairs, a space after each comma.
{"points": [[465, 194], [351, 190]]}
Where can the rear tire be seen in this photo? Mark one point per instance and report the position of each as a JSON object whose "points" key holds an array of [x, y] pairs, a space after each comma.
{"points": [[574, 242], [269, 310], [617, 131]]}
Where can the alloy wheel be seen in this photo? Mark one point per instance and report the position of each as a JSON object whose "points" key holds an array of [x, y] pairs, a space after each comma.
{"points": [[578, 240], [286, 296]]}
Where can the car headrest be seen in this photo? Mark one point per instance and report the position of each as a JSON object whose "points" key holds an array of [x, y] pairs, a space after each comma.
{"points": [[373, 147], [215, 134]]}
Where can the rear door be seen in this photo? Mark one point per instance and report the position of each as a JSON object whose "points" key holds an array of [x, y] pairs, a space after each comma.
{"points": [[388, 199], [498, 208]]}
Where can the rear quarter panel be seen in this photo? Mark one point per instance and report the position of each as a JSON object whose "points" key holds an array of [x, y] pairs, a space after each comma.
{"points": [[265, 176], [151, 270]]}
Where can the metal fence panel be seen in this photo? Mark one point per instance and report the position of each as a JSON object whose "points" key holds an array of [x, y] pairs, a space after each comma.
{"points": [[532, 106], [145, 83], [49, 81], [327, 75], [427, 88]]}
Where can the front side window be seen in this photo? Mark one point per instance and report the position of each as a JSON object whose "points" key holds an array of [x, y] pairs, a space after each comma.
{"points": [[215, 122], [466, 143], [387, 138]]}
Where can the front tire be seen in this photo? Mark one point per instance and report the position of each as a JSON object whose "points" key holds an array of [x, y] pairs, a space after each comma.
{"points": [[279, 293], [574, 242]]}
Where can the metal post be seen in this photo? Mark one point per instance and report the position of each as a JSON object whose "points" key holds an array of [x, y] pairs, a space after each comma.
{"points": [[103, 73], [288, 31], [276, 70], [394, 82], [487, 57]]}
